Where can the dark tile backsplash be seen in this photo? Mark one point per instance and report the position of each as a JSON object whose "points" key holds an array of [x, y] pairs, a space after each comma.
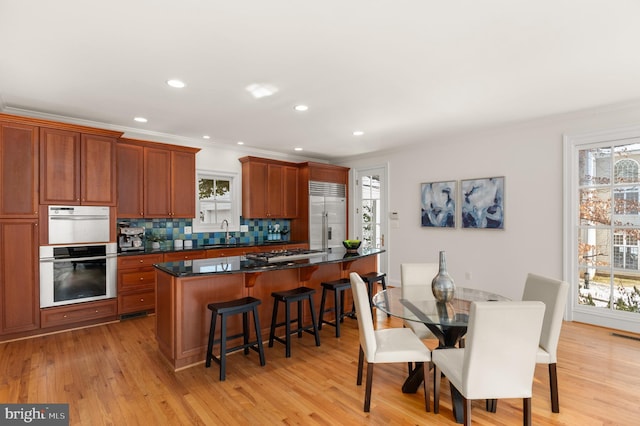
{"points": [[174, 230]]}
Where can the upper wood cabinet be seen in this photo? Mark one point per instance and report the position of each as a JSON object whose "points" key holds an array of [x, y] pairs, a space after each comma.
{"points": [[77, 168], [130, 180], [269, 188], [18, 170], [156, 180]]}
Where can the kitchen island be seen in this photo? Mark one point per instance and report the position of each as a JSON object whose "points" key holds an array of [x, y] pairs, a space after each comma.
{"points": [[184, 289]]}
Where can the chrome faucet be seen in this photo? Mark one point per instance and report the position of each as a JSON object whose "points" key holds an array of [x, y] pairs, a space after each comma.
{"points": [[227, 238]]}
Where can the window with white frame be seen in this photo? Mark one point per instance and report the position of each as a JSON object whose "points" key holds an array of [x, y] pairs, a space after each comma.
{"points": [[216, 201]]}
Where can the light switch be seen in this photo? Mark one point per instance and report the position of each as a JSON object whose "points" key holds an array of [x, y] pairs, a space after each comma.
{"points": [[187, 230], [244, 228]]}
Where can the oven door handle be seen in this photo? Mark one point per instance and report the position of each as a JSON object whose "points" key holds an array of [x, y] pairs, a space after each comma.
{"points": [[74, 259]]}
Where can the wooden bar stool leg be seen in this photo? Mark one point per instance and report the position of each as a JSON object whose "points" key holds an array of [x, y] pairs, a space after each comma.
{"points": [[256, 323], [223, 347], [245, 331], [287, 328], [274, 317], [324, 296], [316, 331], [299, 318], [336, 306], [212, 330]]}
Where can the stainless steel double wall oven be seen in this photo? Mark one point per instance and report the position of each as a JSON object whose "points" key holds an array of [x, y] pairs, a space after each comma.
{"points": [[80, 263]]}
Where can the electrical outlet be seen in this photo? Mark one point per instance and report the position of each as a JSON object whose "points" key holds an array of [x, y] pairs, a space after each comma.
{"points": [[244, 228], [187, 230]]}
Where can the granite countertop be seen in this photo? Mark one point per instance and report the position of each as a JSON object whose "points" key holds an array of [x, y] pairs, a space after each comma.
{"points": [[265, 244], [240, 264]]}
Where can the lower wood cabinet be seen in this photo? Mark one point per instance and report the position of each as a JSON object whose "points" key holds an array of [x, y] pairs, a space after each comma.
{"points": [[19, 283], [178, 256], [79, 314], [137, 283]]}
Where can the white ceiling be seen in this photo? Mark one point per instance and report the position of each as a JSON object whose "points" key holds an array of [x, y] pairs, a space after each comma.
{"points": [[402, 71]]}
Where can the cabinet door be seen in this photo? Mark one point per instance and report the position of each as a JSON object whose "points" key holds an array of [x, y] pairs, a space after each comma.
{"points": [[254, 190], [98, 170], [19, 281], [290, 192], [183, 184], [157, 182], [130, 159], [18, 170], [275, 195], [59, 167]]}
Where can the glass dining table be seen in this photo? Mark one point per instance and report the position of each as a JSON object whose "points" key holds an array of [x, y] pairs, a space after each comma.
{"points": [[447, 321]]}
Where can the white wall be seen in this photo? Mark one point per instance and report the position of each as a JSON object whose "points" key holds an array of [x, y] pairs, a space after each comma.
{"points": [[529, 155]]}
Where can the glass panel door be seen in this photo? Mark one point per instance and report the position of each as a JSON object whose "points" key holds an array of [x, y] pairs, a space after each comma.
{"points": [[370, 210], [608, 227]]}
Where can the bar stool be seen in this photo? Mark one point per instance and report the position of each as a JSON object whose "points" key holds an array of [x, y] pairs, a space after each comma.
{"points": [[224, 309], [338, 287], [370, 280], [299, 295]]}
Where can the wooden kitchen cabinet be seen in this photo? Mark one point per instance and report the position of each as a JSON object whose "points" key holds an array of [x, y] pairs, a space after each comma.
{"points": [[18, 170], [130, 180], [177, 256], [231, 251], [156, 180], [77, 168], [137, 282], [269, 188], [19, 281], [79, 314]]}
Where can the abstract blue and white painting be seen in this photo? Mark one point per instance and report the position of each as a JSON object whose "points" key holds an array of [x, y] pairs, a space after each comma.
{"points": [[483, 203], [438, 201]]}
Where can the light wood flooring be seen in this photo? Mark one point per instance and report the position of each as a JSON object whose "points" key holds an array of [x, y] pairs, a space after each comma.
{"points": [[114, 375]]}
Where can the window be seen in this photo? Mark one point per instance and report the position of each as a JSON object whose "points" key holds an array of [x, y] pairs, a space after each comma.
{"points": [[216, 201]]}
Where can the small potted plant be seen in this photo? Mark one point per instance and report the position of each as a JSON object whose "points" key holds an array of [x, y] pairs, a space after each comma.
{"points": [[155, 240]]}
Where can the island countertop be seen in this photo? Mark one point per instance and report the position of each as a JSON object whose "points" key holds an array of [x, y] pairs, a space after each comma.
{"points": [[240, 264], [185, 288]]}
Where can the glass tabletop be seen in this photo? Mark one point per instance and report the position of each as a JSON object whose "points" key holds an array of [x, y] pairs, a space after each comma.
{"points": [[416, 303]]}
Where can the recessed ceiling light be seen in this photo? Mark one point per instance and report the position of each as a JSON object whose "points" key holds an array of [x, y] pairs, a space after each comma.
{"points": [[358, 133], [240, 143], [206, 137], [261, 90], [301, 107], [297, 149], [176, 83], [140, 119]]}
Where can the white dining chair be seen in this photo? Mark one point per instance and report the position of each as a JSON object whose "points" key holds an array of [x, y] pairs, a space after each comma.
{"points": [[391, 345], [499, 358], [418, 276], [553, 293]]}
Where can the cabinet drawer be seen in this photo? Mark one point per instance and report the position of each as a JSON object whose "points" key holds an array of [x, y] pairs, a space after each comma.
{"points": [[184, 255], [135, 302], [226, 252], [127, 262], [69, 314], [134, 279]]}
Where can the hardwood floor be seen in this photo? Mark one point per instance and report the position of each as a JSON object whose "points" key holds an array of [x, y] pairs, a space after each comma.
{"points": [[114, 374]]}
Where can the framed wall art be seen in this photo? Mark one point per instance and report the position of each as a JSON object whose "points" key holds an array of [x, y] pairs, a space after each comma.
{"points": [[438, 201], [482, 204]]}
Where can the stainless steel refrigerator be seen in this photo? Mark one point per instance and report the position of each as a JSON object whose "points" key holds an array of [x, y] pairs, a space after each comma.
{"points": [[327, 215]]}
